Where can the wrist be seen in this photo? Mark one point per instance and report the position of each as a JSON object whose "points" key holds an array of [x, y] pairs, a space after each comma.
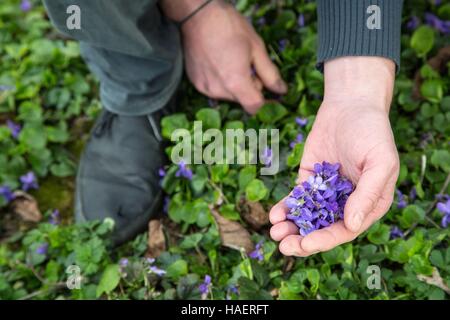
{"points": [[180, 9], [368, 80]]}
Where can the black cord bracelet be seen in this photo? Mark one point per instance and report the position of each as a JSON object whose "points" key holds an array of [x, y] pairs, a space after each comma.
{"points": [[193, 13]]}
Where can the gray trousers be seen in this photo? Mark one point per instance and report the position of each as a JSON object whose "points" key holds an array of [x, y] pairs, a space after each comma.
{"points": [[132, 48]]}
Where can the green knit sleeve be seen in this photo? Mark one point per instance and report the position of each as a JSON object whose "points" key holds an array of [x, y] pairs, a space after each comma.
{"points": [[359, 28]]}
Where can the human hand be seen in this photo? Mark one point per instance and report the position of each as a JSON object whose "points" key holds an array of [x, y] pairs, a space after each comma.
{"points": [[220, 49], [352, 127]]}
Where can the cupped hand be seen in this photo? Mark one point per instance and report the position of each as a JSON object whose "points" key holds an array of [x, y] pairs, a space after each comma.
{"points": [[226, 59], [351, 128]]}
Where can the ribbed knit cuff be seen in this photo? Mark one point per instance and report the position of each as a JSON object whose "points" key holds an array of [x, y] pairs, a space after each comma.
{"points": [[359, 28]]}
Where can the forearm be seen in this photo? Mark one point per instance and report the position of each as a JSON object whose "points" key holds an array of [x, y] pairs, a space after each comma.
{"points": [[366, 79]]}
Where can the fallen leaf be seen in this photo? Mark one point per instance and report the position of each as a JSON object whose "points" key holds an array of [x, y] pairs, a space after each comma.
{"points": [[232, 234], [289, 264], [254, 214], [156, 239], [274, 292], [438, 63], [26, 207], [435, 280]]}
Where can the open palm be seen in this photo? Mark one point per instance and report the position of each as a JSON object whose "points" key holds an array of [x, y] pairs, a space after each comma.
{"points": [[359, 137]]}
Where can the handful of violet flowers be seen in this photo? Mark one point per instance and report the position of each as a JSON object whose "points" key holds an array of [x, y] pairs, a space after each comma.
{"points": [[319, 201]]}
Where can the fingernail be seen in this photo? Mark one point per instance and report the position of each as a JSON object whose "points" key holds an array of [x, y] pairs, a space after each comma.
{"points": [[357, 221], [281, 85]]}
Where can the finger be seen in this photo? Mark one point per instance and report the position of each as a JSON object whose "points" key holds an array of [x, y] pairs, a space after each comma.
{"points": [[364, 199], [283, 229], [337, 233], [267, 71], [290, 246], [257, 83], [327, 238], [245, 92], [217, 91], [278, 212]]}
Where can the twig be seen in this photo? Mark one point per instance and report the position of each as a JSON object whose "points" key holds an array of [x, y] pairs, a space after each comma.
{"points": [[53, 287]]}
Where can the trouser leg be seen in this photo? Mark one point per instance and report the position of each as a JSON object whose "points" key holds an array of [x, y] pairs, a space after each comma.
{"points": [[130, 46]]}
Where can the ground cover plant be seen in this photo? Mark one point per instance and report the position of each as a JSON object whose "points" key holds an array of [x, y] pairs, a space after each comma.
{"points": [[48, 101]]}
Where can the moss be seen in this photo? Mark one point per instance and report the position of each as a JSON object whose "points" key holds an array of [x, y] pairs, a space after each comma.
{"points": [[57, 193]]}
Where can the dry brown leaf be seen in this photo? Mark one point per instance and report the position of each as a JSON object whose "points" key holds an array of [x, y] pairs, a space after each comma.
{"points": [[274, 292], [232, 234], [437, 63], [156, 239], [26, 207], [434, 280], [254, 214]]}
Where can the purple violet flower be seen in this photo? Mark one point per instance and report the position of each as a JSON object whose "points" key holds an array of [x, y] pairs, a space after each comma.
{"points": [[29, 181], [283, 44], [301, 20], [55, 218], [212, 102], [320, 200], [413, 194], [183, 171], [123, 262], [25, 5], [396, 233], [166, 204], [205, 285], [14, 128], [232, 289], [401, 202], [301, 121], [42, 249], [261, 22], [159, 272], [161, 172], [7, 193], [413, 23], [298, 139], [258, 253], [436, 23], [444, 208], [266, 157]]}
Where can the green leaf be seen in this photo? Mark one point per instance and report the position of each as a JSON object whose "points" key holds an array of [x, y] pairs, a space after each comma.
{"points": [[246, 175], [250, 290], [177, 269], [228, 211], [441, 159], [432, 90], [422, 40], [210, 118], [334, 256], [173, 122], [33, 136], [379, 233], [271, 112], [313, 277], [421, 265], [256, 190], [109, 280], [410, 215], [294, 158], [191, 241]]}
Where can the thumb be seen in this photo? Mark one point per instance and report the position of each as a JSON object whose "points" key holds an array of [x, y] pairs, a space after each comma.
{"points": [[365, 197]]}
